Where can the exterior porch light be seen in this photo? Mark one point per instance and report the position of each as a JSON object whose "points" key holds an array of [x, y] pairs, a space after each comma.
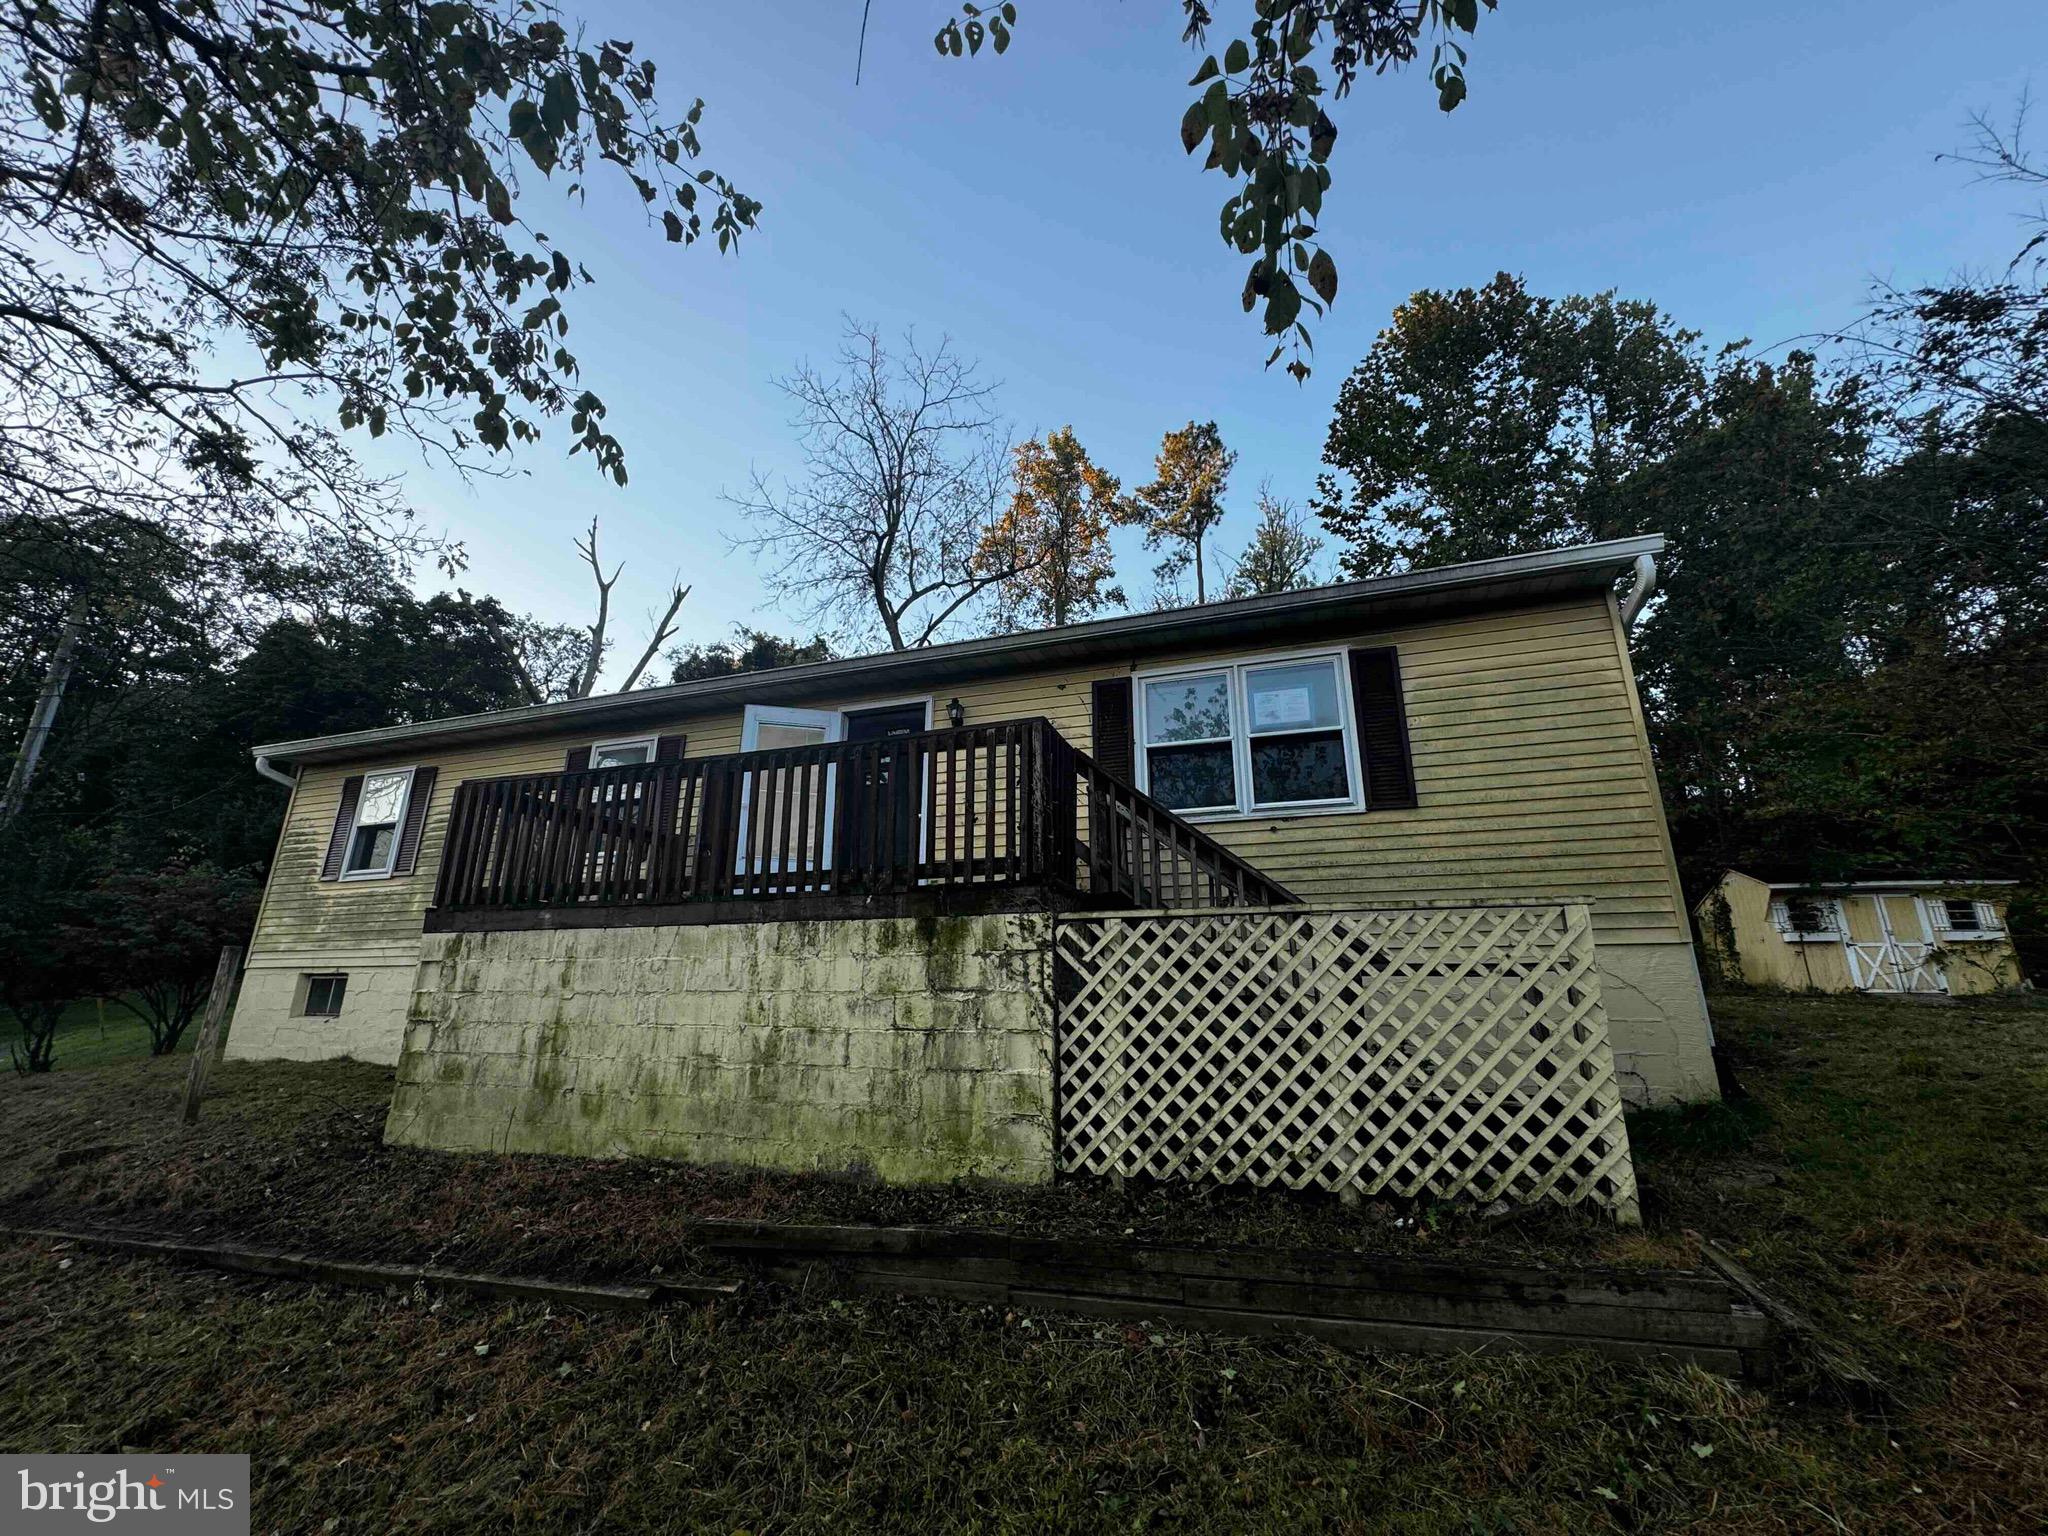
{"points": [[956, 713]]}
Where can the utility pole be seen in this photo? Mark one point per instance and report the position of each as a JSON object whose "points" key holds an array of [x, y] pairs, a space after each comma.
{"points": [[44, 717]]}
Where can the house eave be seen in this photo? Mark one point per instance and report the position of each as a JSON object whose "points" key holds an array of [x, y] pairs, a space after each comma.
{"points": [[1319, 612], [1874, 886]]}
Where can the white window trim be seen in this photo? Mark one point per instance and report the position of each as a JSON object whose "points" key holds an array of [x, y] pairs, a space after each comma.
{"points": [[356, 823], [1829, 907], [1985, 927], [649, 742], [1235, 670]]}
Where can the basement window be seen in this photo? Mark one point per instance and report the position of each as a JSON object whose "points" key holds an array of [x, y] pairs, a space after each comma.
{"points": [[321, 995]]}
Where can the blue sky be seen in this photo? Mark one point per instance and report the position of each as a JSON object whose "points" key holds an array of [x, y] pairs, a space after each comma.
{"points": [[1749, 166]]}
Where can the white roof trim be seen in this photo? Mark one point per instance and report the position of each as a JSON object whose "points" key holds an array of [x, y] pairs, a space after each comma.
{"points": [[1879, 885], [613, 714]]}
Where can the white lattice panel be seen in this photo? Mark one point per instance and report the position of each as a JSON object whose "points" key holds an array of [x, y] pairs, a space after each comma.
{"points": [[1443, 1051]]}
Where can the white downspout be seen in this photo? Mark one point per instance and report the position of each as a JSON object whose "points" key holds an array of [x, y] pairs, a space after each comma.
{"points": [[1639, 594], [263, 767]]}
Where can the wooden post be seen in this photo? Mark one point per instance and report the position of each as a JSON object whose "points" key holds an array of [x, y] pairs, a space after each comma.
{"points": [[225, 975]]}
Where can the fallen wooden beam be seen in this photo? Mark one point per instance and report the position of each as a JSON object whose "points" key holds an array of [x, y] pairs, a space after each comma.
{"points": [[1864, 1389], [237, 1258], [1350, 1300], [1361, 1301]]}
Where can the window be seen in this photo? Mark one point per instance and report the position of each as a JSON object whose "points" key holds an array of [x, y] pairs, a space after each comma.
{"points": [[1251, 737], [1190, 760], [1295, 724], [1799, 918], [622, 754], [322, 995], [373, 841], [1965, 919]]}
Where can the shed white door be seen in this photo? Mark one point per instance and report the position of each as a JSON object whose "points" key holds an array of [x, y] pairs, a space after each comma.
{"points": [[1889, 945]]}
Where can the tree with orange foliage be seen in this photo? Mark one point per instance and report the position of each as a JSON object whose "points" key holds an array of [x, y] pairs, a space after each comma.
{"points": [[1055, 536], [1184, 500]]}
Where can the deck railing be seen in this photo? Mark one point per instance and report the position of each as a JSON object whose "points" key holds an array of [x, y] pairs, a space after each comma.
{"points": [[1008, 804]]}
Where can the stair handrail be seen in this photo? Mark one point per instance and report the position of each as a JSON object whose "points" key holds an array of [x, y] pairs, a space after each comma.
{"points": [[1253, 886]]}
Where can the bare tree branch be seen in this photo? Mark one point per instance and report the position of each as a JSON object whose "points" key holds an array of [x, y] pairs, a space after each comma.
{"points": [[587, 548], [906, 469], [664, 631]]}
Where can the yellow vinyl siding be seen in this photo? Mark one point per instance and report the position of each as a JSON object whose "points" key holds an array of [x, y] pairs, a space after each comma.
{"points": [[1532, 772]]}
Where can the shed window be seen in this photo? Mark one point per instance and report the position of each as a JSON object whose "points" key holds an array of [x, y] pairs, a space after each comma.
{"points": [[1807, 917], [373, 842], [1962, 918], [323, 996], [1250, 737]]}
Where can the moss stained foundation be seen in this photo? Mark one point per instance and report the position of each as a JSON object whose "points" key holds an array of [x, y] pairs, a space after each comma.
{"points": [[909, 1049]]}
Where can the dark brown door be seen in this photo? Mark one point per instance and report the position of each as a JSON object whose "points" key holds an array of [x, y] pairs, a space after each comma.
{"points": [[878, 801]]}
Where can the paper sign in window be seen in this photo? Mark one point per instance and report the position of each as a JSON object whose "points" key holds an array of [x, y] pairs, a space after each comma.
{"points": [[1273, 708]]}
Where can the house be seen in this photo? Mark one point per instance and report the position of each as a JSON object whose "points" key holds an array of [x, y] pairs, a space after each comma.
{"points": [[1932, 937], [1385, 857]]}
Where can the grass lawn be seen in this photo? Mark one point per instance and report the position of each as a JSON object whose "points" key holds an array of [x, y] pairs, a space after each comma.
{"points": [[1889, 1174], [96, 1032]]}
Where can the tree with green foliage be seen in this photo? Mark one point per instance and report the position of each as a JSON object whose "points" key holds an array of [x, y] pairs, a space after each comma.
{"points": [[1054, 536], [328, 196], [142, 848], [1183, 501], [41, 968], [1262, 115], [1487, 421], [1764, 503], [1282, 555], [1843, 670], [151, 938], [750, 650]]}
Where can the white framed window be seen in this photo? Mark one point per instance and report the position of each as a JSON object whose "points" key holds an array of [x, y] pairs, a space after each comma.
{"points": [[629, 752], [380, 812], [1800, 919], [1958, 917], [1249, 738]]}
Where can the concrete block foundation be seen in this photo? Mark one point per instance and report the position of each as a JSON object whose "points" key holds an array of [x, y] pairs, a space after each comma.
{"points": [[912, 1049]]}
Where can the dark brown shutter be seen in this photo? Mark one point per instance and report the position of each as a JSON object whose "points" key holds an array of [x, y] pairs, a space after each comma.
{"points": [[1113, 727], [415, 820], [1382, 728], [344, 823], [669, 749], [579, 759]]}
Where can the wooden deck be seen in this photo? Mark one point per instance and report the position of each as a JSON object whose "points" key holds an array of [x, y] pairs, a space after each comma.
{"points": [[1008, 816]]}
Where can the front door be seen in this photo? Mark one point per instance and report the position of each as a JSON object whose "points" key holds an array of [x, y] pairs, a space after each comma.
{"points": [[766, 729], [879, 813]]}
